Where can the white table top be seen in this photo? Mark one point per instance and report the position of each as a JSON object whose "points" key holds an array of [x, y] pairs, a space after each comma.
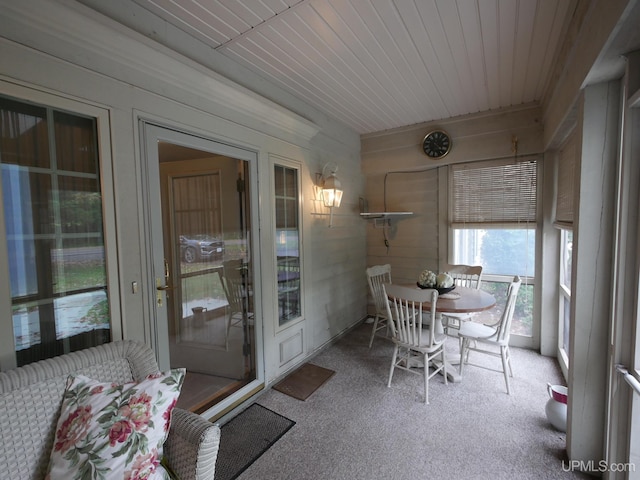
{"points": [[469, 300]]}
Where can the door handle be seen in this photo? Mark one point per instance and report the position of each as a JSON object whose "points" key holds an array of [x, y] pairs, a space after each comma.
{"points": [[161, 288], [166, 285]]}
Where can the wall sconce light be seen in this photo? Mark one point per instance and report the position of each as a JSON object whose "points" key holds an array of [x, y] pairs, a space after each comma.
{"points": [[331, 189]]}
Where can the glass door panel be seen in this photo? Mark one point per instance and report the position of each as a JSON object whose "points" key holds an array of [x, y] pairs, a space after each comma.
{"points": [[208, 269]]}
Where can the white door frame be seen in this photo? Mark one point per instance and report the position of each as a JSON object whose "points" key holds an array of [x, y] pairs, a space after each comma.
{"points": [[150, 132], [622, 423]]}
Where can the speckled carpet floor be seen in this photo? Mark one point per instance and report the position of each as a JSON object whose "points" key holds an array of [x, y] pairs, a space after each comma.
{"points": [[355, 428]]}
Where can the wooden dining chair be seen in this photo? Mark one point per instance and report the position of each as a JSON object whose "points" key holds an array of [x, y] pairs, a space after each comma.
{"points": [[486, 338], [469, 276], [376, 277], [416, 342], [238, 293]]}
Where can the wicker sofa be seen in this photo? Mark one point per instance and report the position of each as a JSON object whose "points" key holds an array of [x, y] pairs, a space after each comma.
{"points": [[30, 399]]}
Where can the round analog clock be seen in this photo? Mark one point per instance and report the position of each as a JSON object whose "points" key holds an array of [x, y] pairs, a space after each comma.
{"points": [[436, 144]]}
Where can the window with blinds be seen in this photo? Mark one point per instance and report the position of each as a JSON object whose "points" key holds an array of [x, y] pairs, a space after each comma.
{"points": [[567, 160], [566, 168], [493, 223], [496, 192]]}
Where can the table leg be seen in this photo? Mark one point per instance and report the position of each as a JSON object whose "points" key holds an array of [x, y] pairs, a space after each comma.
{"points": [[451, 358]]}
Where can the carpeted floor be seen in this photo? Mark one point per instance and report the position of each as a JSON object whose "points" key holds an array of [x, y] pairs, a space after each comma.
{"points": [[356, 428]]}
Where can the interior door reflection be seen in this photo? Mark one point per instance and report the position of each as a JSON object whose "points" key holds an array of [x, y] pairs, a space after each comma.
{"points": [[206, 226]]}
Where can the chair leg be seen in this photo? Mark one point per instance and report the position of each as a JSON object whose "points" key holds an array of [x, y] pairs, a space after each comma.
{"points": [[226, 335], [375, 327], [460, 322], [509, 361], [426, 378], [444, 366], [505, 366], [463, 353], [393, 364]]}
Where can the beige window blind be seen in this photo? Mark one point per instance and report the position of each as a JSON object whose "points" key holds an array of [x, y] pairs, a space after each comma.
{"points": [[501, 192], [565, 182]]}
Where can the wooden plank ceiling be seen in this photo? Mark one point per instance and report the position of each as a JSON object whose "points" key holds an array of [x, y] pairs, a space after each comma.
{"points": [[381, 64]]}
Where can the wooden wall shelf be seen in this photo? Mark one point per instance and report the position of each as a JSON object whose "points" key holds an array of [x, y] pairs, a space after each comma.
{"points": [[389, 215]]}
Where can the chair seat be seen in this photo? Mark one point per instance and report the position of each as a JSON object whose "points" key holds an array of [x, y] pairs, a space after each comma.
{"points": [[424, 347], [476, 330], [454, 320], [498, 335], [459, 316]]}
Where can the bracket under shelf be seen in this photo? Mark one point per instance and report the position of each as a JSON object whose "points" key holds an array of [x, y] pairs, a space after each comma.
{"points": [[382, 219]]}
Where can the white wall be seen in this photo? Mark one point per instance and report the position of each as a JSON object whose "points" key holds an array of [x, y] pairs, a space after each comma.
{"points": [[67, 50]]}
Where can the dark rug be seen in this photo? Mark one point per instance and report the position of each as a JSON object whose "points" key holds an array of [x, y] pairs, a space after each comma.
{"points": [[304, 381], [246, 437]]}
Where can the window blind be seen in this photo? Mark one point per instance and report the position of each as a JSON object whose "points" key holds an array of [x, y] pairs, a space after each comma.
{"points": [[493, 192], [565, 180]]}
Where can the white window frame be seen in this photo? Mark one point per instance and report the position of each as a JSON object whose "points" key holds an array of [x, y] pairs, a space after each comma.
{"points": [[509, 222], [102, 116], [564, 296], [563, 216], [297, 166]]}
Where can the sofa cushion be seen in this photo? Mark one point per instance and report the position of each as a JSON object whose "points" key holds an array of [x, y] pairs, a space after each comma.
{"points": [[107, 430]]}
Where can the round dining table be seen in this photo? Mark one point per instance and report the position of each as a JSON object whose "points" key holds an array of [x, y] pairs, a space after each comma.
{"points": [[464, 300]]}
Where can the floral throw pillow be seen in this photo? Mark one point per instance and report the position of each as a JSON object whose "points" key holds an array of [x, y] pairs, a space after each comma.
{"points": [[108, 431]]}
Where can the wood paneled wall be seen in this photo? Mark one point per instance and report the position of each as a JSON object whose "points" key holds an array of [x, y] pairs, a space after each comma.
{"points": [[418, 184]]}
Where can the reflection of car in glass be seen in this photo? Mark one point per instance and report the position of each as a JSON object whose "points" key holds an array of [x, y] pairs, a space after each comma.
{"points": [[194, 248]]}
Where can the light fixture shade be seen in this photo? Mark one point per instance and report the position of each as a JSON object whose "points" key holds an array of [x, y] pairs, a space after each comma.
{"points": [[332, 191]]}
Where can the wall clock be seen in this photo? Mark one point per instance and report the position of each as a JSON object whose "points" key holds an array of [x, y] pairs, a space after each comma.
{"points": [[436, 144]]}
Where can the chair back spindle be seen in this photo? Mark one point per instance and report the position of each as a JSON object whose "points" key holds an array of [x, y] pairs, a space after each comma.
{"points": [[409, 319], [483, 339], [504, 327], [469, 276], [377, 276], [418, 345]]}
